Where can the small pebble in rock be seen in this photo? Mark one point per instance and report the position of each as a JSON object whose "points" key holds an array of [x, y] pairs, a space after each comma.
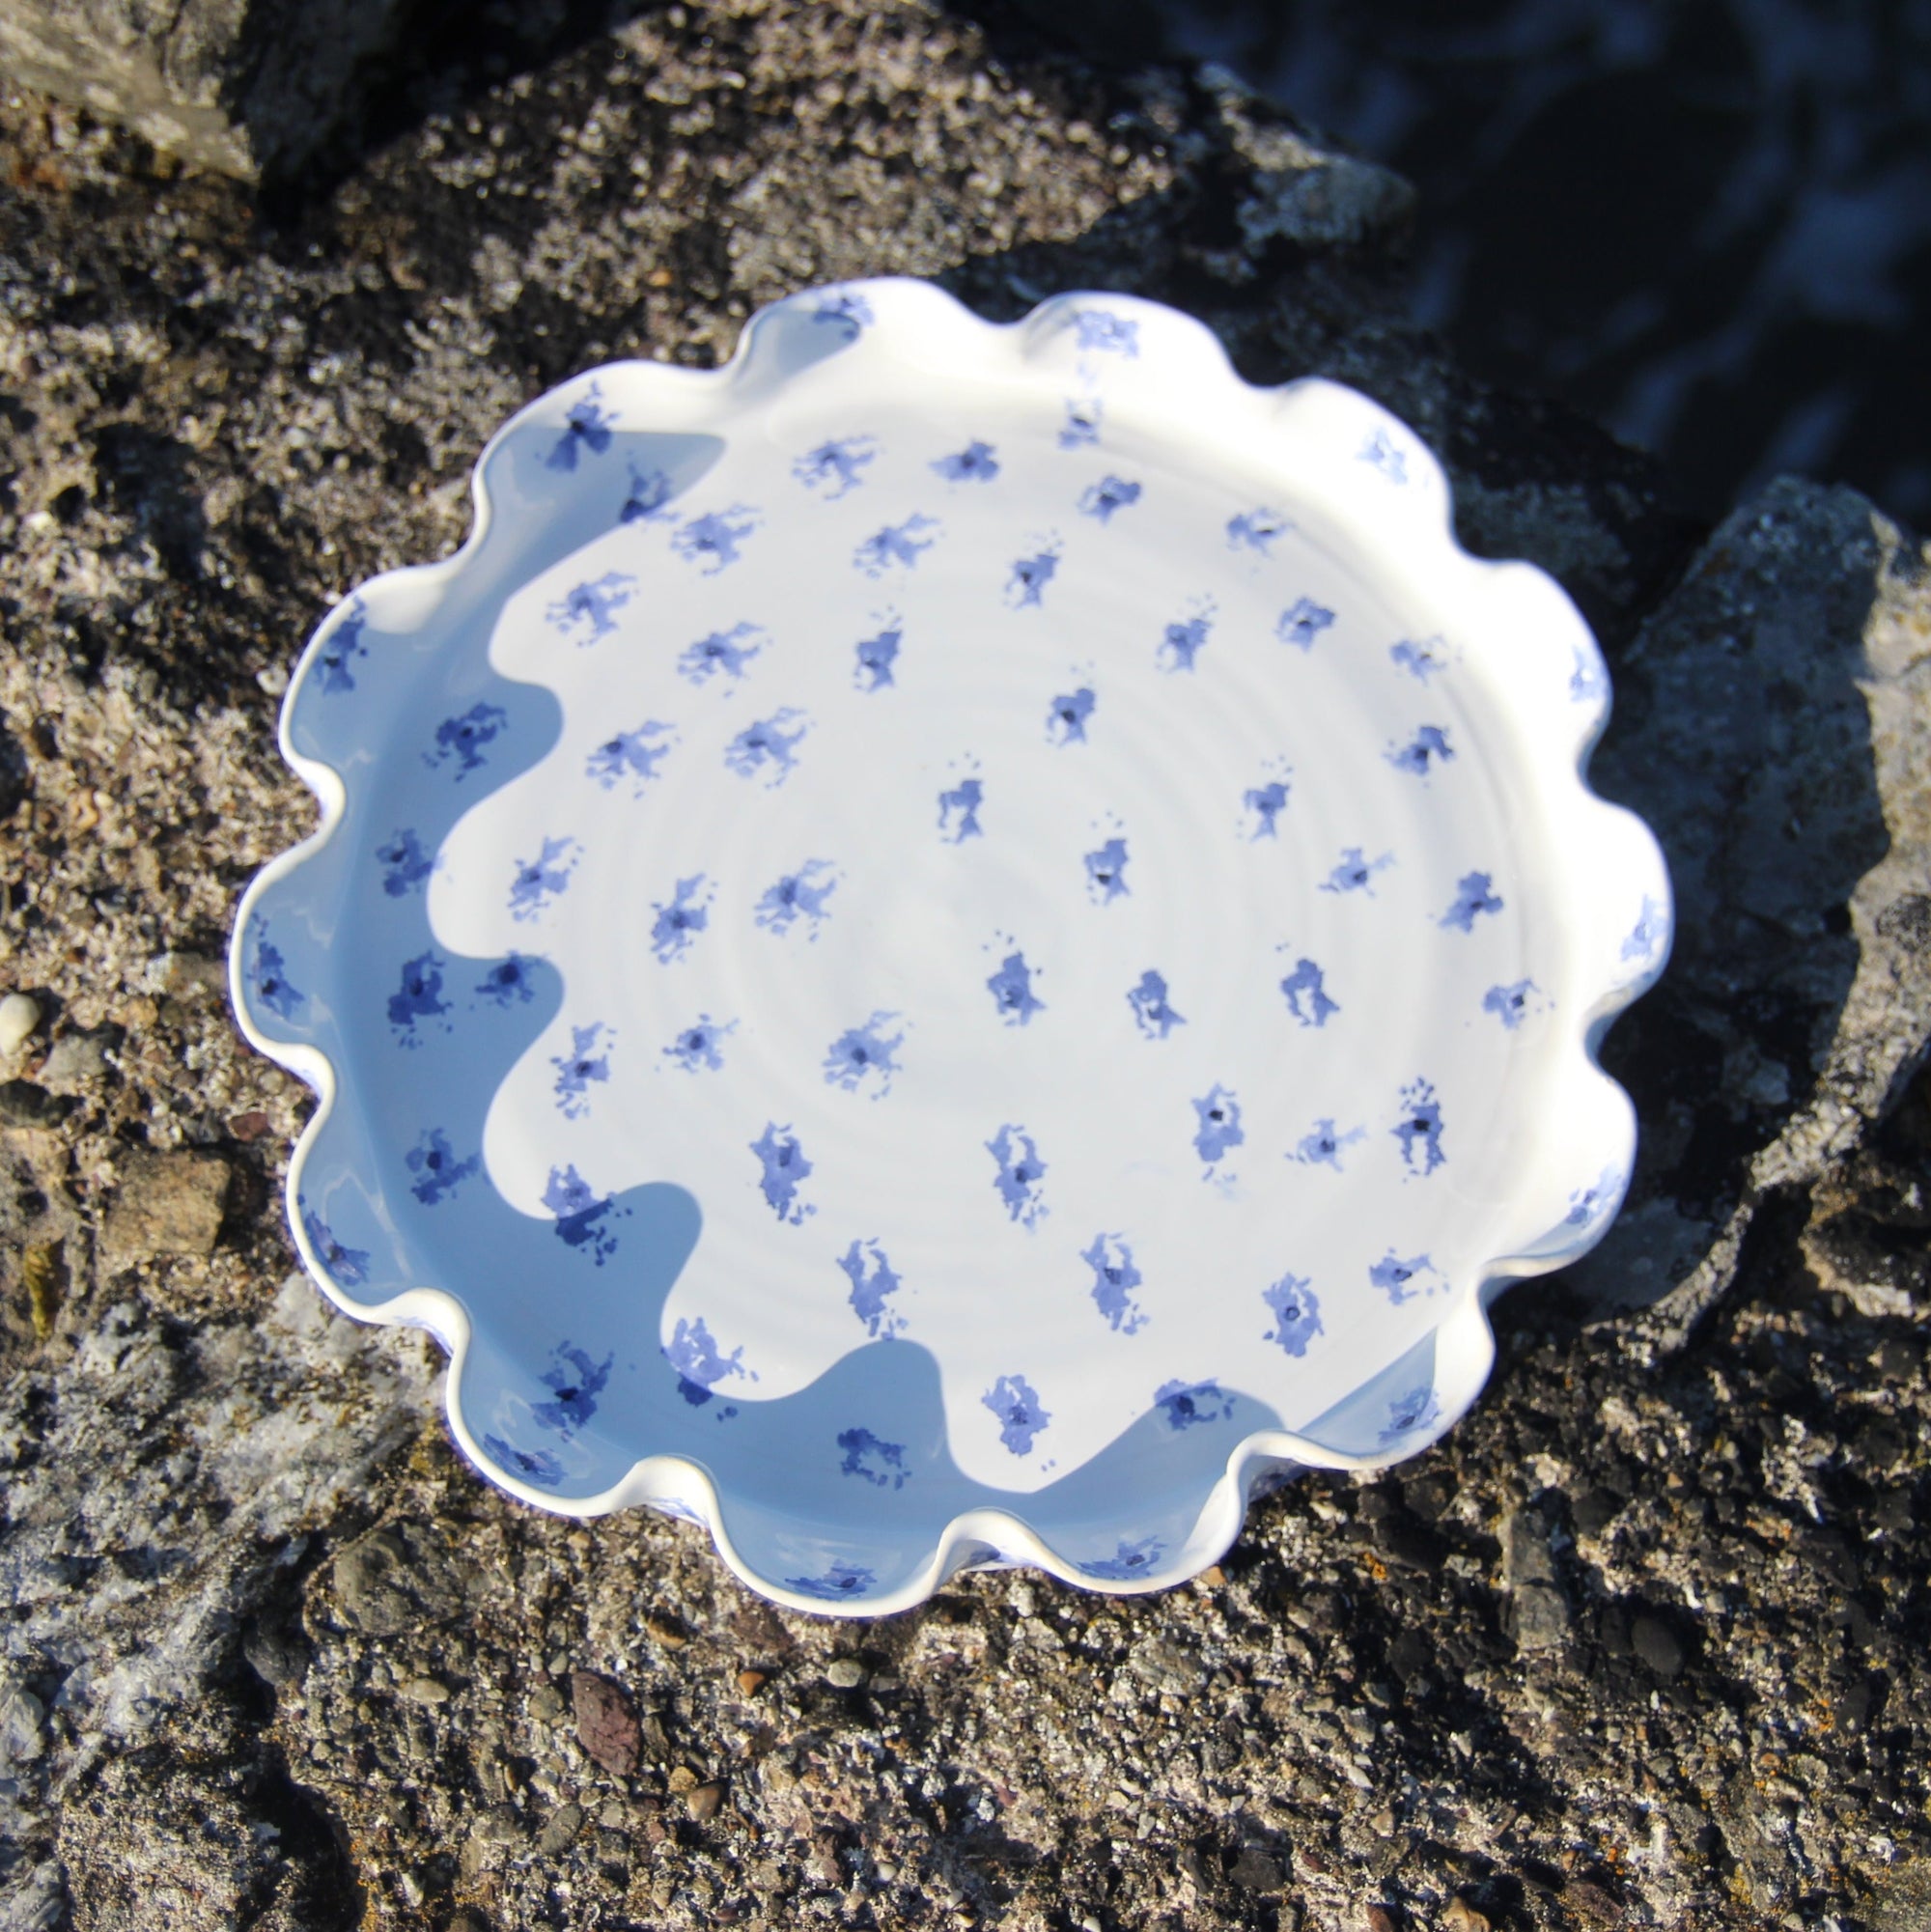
{"points": [[606, 1722], [682, 1778], [703, 1801], [1025, 1599], [19, 1017], [1212, 1578], [1382, 1919], [845, 1674], [667, 1631], [750, 1682], [425, 1690], [562, 1826], [547, 1704], [249, 1125], [1462, 1917], [76, 1061], [1657, 1645], [166, 1203], [615, 1815]]}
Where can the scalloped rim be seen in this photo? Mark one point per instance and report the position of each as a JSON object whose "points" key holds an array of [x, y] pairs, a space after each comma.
{"points": [[1463, 1340]]}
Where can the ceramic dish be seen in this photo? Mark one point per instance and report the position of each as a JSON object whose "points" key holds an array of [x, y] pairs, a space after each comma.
{"points": [[950, 944]]}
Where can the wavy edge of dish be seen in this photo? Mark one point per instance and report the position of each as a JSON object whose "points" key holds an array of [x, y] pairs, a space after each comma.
{"points": [[1463, 1340]]}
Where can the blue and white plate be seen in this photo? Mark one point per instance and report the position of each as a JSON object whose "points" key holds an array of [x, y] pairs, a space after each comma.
{"points": [[951, 944]]}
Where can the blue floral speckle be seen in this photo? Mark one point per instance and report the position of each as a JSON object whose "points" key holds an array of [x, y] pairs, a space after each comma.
{"points": [[863, 1059], [832, 469], [1295, 1312], [1404, 1280], [1355, 872], [1428, 748], [1101, 499], [585, 427], [1020, 1172], [802, 894], [711, 542], [785, 1168], [1100, 331], [1646, 935], [1421, 659], [541, 880], [419, 997], [347, 1267], [1589, 679], [581, 1214], [679, 919], [767, 746], [1266, 803], [873, 1283], [1474, 895], [727, 651], [1381, 452], [268, 977], [650, 491], [464, 738], [1302, 622], [588, 611], [1591, 1204], [1512, 1004], [1026, 582], [574, 1382], [406, 865], [1219, 1130], [439, 1172], [877, 1462], [1420, 1128], [976, 463], [1152, 1013], [958, 810], [700, 1365], [579, 1068], [634, 754], [508, 981], [1409, 1415], [851, 314], [1322, 1145], [697, 1046], [1256, 531], [1066, 717], [1186, 1404], [1129, 1562], [1011, 988], [900, 544], [1182, 640], [1106, 872], [1022, 1417], [841, 1580], [531, 1466], [1081, 428], [876, 656], [1306, 993], [345, 645], [1116, 1276]]}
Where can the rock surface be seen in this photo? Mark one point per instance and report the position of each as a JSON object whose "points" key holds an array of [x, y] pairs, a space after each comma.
{"points": [[245, 87], [1641, 1642]]}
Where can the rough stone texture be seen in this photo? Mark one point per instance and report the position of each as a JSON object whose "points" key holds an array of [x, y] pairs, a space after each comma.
{"points": [[244, 87], [1774, 727], [164, 1204], [273, 1657]]}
